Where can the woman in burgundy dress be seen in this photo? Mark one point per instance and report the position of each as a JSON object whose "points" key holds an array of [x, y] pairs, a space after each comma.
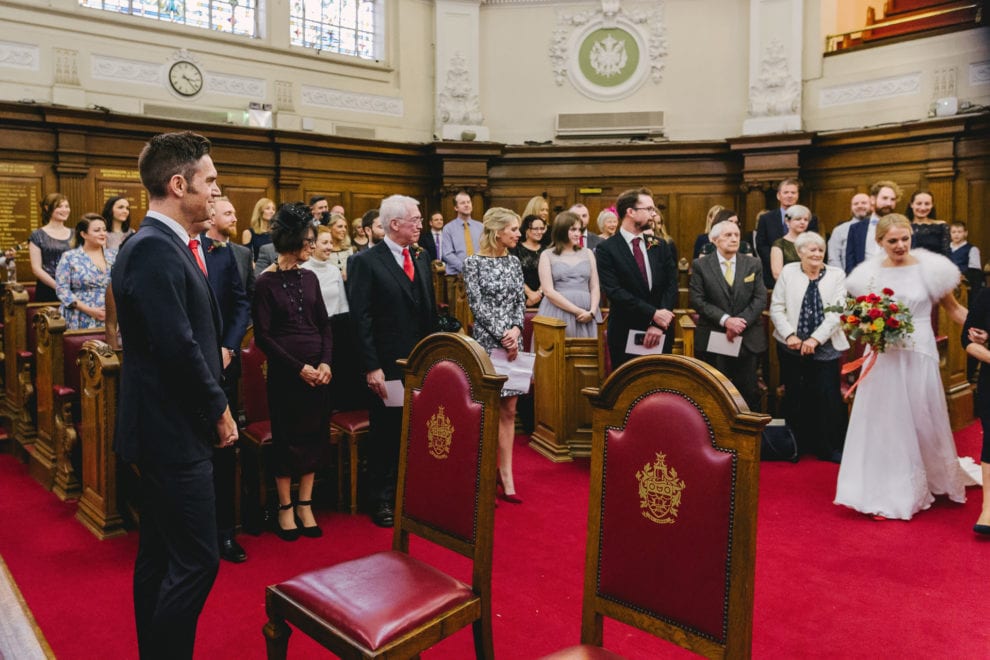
{"points": [[292, 328]]}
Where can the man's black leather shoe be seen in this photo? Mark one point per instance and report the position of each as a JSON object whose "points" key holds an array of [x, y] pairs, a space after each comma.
{"points": [[383, 516], [231, 550]]}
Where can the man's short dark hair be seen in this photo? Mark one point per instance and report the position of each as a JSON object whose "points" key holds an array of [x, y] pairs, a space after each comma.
{"points": [[790, 181], [368, 218], [316, 198], [290, 226], [169, 154], [629, 199]]}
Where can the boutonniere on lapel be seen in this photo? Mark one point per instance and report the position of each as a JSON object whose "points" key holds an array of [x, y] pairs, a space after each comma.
{"points": [[416, 250], [216, 245], [651, 241]]}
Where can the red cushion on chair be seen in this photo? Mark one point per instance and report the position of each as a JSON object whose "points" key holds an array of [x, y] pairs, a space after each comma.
{"points": [[350, 421], [444, 452], [687, 555], [377, 598], [259, 432], [583, 652], [71, 347]]}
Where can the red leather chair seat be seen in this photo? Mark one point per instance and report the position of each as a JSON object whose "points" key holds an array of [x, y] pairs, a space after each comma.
{"points": [[71, 347], [260, 432], [375, 599], [351, 421], [583, 652]]}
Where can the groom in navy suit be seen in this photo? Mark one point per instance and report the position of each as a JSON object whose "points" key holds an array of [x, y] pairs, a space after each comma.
{"points": [[172, 409], [639, 277]]}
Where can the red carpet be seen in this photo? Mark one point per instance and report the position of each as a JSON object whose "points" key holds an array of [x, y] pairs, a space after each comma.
{"points": [[829, 582]]}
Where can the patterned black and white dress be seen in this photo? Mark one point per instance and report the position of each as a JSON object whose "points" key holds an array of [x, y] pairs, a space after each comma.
{"points": [[497, 300]]}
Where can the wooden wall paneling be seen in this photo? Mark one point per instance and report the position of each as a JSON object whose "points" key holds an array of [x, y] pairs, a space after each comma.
{"points": [[685, 217], [22, 187], [972, 190], [831, 203]]}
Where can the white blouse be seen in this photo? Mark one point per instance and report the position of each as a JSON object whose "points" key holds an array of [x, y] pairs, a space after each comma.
{"points": [[331, 285]]}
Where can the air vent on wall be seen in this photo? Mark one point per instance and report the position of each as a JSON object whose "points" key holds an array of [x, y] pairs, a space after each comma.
{"points": [[194, 114], [354, 132], [610, 124]]}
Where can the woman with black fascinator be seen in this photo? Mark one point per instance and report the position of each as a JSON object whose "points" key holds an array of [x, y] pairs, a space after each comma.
{"points": [[292, 328]]}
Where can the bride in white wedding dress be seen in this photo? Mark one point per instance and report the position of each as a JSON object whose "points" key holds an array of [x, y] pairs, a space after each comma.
{"points": [[899, 451]]}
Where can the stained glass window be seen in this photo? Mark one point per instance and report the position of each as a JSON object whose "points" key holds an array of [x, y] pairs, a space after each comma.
{"points": [[232, 16], [348, 27]]}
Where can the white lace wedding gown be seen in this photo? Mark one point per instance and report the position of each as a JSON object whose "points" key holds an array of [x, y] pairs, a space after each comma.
{"points": [[899, 451]]}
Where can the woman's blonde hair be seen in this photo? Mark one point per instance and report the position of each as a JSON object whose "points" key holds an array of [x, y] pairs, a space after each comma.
{"points": [[534, 204], [495, 220], [891, 220], [346, 243], [709, 219], [256, 216]]}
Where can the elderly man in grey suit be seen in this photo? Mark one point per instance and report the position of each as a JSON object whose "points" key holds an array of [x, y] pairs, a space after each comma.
{"points": [[729, 294]]}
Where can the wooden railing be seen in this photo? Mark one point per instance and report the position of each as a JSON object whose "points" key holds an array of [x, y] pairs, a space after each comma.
{"points": [[961, 14]]}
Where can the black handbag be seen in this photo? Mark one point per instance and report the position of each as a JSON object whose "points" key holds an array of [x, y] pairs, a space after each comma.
{"points": [[778, 443]]}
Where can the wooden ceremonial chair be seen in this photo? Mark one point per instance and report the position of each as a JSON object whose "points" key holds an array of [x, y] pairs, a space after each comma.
{"points": [[352, 427], [672, 512], [389, 604]]}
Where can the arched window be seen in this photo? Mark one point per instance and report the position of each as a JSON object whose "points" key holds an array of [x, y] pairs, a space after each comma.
{"points": [[232, 16], [347, 27]]}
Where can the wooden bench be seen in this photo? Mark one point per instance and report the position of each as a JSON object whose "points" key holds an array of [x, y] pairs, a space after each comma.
{"points": [[15, 301], [98, 372]]}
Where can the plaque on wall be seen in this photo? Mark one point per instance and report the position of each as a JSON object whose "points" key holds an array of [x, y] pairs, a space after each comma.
{"points": [[21, 186]]}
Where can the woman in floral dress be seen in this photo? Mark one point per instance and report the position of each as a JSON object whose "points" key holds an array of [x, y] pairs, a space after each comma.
{"points": [[83, 274], [494, 282]]}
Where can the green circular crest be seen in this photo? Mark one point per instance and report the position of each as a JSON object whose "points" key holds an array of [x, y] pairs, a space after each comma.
{"points": [[608, 57]]}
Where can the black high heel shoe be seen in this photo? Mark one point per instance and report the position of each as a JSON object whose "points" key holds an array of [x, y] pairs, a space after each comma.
{"points": [[500, 491], [982, 529], [281, 532], [313, 532]]}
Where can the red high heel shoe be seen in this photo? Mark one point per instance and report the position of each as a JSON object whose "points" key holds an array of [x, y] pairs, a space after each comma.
{"points": [[500, 491]]}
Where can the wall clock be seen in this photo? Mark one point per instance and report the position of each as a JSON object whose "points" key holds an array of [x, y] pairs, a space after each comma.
{"points": [[185, 78]]}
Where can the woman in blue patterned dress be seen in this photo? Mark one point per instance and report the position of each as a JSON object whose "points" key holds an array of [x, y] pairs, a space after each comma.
{"points": [[494, 282], [83, 275]]}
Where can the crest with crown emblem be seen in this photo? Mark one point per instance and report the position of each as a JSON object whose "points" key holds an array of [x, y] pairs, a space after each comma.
{"points": [[439, 432], [659, 491]]}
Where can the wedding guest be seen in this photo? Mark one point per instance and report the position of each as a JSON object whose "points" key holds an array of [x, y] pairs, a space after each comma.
{"points": [[974, 339], [340, 249], [539, 207], [702, 240], [783, 251], [928, 233], [608, 222], [117, 213], [83, 274], [528, 253], [569, 279], [810, 342], [259, 233], [966, 256], [899, 451], [494, 282], [47, 243], [292, 328], [721, 216], [358, 238]]}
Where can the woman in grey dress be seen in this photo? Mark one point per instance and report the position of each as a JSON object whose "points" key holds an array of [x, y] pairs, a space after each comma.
{"points": [[569, 279], [494, 282]]}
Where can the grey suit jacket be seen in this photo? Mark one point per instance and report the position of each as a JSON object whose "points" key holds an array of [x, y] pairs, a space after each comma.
{"points": [[712, 297], [266, 257], [245, 258]]}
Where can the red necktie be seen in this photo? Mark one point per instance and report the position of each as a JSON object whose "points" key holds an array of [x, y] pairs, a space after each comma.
{"points": [[582, 240], [407, 264], [194, 246], [640, 261]]}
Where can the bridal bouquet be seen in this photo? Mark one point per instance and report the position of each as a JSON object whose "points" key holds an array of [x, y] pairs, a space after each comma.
{"points": [[875, 320]]}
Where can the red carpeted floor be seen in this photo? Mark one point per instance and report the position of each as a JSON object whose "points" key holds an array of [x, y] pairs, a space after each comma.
{"points": [[829, 582]]}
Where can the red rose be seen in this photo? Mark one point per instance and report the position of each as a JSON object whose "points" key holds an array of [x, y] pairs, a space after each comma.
{"points": [[893, 323], [892, 307], [888, 292], [874, 313], [873, 298], [861, 299], [842, 318]]}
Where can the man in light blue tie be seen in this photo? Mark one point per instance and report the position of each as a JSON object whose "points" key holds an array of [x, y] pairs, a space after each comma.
{"points": [[456, 246]]}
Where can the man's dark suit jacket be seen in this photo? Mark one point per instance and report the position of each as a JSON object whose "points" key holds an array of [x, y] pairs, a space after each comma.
{"points": [[712, 297], [428, 243], [592, 241], [770, 227], [170, 395], [631, 304], [388, 322], [228, 287], [856, 244]]}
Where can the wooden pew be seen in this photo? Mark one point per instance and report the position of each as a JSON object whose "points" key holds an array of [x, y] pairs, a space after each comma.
{"points": [[564, 365], [457, 301], [99, 379], [439, 271], [18, 404], [56, 391]]}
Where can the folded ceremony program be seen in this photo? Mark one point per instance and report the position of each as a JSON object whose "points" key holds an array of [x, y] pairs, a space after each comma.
{"points": [[634, 344]]}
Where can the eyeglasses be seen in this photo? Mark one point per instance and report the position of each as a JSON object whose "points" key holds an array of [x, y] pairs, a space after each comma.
{"points": [[311, 242], [537, 228], [652, 210]]}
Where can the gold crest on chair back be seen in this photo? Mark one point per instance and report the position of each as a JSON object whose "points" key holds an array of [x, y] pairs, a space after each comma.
{"points": [[672, 512], [389, 604]]}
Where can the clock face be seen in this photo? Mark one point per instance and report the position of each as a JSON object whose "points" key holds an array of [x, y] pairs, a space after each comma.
{"points": [[186, 78]]}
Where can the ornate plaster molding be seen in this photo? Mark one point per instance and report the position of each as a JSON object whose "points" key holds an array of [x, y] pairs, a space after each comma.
{"points": [[66, 66], [979, 73], [284, 97], [104, 67], [871, 90], [353, 101], [223, 83], [775, 91], [458, 103], [608, 56], [19, 56]]}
